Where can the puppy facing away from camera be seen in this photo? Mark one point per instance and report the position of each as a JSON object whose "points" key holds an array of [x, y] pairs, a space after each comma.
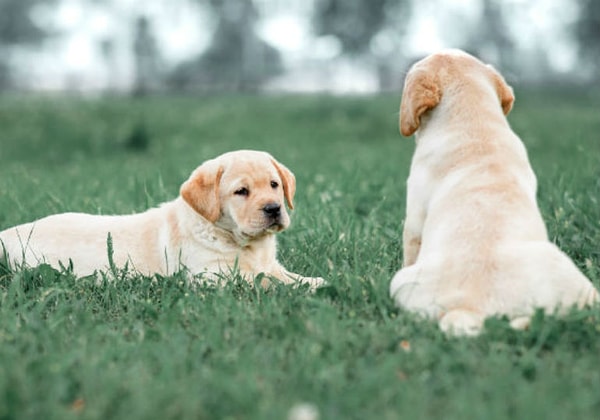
{"points": [[474, 241], [226, 216]]}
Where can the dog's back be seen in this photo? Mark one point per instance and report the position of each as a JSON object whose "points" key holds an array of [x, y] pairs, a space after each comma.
{"points": [[83, 240], [475, 244]]}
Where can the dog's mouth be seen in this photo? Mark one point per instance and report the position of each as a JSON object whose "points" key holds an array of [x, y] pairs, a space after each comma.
{"points": [[268, 228], [258, 226], [274, 226]]}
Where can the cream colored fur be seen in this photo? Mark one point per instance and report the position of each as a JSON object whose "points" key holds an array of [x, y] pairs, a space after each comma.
{"points": [[212, 227], [475, 244]]}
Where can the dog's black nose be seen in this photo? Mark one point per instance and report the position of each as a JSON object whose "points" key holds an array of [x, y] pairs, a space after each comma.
{"points": [[272, 210]]}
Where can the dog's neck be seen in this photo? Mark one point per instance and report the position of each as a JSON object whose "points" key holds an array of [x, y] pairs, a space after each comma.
{"points": [[466, 114]]}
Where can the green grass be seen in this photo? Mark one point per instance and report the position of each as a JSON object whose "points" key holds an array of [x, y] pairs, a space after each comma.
{"points": [[154, 348]]}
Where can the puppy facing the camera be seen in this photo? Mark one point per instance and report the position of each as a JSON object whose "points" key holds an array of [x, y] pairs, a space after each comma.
{"points": [[475, 244], [226, 216]]}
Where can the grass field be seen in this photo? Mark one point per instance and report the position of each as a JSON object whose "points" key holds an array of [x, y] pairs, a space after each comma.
{"points": [[154, 348]]}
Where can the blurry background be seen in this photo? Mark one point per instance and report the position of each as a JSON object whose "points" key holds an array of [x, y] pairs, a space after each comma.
{"points": [[137, 47]]}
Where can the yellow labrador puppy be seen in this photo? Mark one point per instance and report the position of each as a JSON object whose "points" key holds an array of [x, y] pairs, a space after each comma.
{"points": [[474, 241], [227, 215]]}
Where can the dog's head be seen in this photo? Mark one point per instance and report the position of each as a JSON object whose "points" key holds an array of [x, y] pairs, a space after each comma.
{"points": [[242, 192], [449, 72]]}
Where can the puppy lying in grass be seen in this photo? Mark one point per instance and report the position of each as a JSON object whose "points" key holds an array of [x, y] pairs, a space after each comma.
{"points": [[475, 244], [227, 215]]}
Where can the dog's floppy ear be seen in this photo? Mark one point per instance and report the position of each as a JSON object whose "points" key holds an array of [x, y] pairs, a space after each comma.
{"points": [[289, 182], [421, 93], [504, 91], [201, 190]]}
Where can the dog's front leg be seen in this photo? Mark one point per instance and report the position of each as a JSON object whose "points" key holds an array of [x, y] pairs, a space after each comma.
{"points": [[411, 243], [417, 196], [411, 236]]}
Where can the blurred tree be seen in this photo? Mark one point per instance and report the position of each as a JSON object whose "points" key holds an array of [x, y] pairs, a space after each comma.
{"points": [[17, 29], [107, 49], [491, 40], [147, 58], [237, 58], [352, 22], [370, 32], [588, 34], [355, 22]]}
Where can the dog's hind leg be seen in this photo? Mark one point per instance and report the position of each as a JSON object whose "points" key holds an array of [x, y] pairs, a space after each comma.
{"points": [[414, 289]]}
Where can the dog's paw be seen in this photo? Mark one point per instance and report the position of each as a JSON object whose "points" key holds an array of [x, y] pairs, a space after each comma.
{"points": [[460, 322], [520, 323], [297, 280], [313, 282], [592, 297]]}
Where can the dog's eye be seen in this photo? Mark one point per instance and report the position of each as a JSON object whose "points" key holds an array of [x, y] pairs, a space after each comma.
{"points": [[242, 191], [274, 184]]}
